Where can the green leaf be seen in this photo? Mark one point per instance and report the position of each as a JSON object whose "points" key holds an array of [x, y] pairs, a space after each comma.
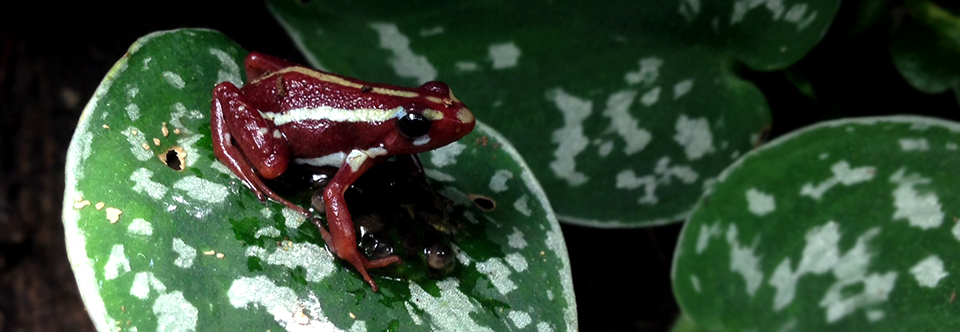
{"points": [[633, 102], [925, 49], [848, 225], [195, 250]]}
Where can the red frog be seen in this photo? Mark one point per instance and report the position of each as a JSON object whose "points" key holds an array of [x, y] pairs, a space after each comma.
{"points": [[290, 113]]}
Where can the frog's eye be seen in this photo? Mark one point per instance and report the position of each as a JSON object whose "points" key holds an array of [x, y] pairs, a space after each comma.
{"points": [[413, 125]]}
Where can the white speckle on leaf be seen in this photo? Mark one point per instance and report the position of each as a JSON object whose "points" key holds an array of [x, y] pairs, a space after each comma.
{"points": [[914, 144], [842, 174], [173, 79], [705, 234], [431, 31], [451, 310], [269, 231], [651, 97], [921, 210], [175, 313], [179, 112], [875, 315], [649, 70], [504, 55], [689, 9], [292, 218], [315, 260], [544, 327], [133, 111], [136, 144], [876, 289], [822, 254], [570, 137], [201, 189], [625, 124], [438, 175], [929, 271], [229, 69], [681, 89], [267, 213], [629, 180], [695, 136], [521, 205], [695, 282], [405, 62], [220, 167], [744, 261], [447, 155], [516, 261], [760, 203], [741, 7], [498, 273], [140, 227], [520, 319], [141, 285], [819, 256], [795, 15], [281, 302], [498, 182], [952, 146], [185, 252], [605, 148], [466, 66], [146, 63], [663, 174], [414, 315], [143, 184], [515, 239], [117, 263]]}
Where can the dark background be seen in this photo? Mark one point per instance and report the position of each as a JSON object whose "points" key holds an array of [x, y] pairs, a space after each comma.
{"points": [[52, 58]]}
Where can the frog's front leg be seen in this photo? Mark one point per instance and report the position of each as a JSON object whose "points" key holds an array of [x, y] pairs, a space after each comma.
{"points": [[260, 149], [342, 239]]}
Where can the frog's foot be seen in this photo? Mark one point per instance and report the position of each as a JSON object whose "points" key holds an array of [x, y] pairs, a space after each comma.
{"points": [[362, 264], [353, 256]]}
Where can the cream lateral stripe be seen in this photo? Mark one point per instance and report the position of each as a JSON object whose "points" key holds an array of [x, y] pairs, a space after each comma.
{"points": [[338, 81], [333, 114]]}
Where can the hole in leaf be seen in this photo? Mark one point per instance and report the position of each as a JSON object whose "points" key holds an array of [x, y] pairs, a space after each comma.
{"points": [[175, 158], [483, 202]]}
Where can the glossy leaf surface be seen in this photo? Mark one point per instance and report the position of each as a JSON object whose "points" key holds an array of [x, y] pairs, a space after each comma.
{"points": [[195, 250], [633, 102], [848, 225]]}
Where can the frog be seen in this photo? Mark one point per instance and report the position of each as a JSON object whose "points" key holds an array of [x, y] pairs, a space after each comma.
{"points": [[292, 114]]}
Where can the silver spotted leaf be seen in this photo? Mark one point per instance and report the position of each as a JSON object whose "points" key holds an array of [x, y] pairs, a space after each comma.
{"points": [[625, 110], [848, 225], [157, 249]]}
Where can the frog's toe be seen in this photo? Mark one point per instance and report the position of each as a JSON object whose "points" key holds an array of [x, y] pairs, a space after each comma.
{"points": [[383, 261]]}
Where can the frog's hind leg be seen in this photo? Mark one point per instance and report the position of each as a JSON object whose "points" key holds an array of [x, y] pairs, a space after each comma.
{"points": [[258, 149]]}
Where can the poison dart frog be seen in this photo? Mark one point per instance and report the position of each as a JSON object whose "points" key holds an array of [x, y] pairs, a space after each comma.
{"points": [[292, 114]]}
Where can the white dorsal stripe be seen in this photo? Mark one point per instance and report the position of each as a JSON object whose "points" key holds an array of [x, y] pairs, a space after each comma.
{"points": [[325, 77], [334, 159], [334, 114]]}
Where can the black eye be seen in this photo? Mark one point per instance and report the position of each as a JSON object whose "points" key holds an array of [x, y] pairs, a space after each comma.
{"points": [[413, 125]]}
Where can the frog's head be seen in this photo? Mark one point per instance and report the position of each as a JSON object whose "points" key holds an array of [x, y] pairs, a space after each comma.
{"points": [[433, 119]]}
